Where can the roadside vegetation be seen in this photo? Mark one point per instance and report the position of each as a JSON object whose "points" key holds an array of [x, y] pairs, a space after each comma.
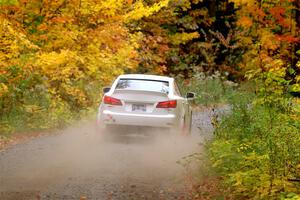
{"points": [[210, 90], [55, 56], [256, 147], [255, 150]]}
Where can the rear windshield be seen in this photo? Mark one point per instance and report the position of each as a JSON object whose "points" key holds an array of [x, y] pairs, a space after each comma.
{"points": [[143, 84]]}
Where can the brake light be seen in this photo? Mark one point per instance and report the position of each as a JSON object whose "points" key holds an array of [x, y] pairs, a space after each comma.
{"points": [[167, 104], [112, 101]]}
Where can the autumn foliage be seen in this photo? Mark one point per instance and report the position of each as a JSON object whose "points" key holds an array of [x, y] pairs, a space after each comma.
{"points": [[257, 146], [55, 56]]}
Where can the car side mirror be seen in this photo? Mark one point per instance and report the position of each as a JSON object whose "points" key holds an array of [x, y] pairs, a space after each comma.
{"points": [[106, 89], [190, 95]]}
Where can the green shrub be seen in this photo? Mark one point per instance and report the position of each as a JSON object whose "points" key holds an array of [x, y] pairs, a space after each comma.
{"points": [[257, 150]]}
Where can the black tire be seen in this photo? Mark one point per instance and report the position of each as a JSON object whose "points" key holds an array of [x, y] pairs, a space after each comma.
{"points": [[189, 132], [187, 129]]}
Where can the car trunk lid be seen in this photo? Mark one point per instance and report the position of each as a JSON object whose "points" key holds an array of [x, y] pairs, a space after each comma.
{"points": [[140, 101]]}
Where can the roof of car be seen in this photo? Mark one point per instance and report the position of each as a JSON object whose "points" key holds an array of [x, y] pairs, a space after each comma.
{"points": [[145, 76]]}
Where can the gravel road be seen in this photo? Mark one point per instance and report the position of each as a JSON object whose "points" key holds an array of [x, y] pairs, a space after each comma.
{"points": [[77, 164]]}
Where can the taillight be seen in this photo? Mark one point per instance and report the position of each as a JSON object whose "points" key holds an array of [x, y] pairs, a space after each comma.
{"points": [[112, 101], [167, 104]]}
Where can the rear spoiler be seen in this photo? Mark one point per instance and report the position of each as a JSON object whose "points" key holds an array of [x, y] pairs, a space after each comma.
{"points": [[118, 91]]}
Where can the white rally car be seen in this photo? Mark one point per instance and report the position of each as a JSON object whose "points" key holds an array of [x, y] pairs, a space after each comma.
{"points": [[145, 101]]}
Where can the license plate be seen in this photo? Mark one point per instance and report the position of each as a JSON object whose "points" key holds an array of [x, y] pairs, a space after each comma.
{"points": [[139, 107]]}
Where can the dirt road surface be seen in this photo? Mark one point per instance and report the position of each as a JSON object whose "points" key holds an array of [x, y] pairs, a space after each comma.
{"points": [[76, 164]]}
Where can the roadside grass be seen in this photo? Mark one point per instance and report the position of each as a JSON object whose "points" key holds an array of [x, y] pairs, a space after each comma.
{"points": [[20, 125], [31, 114], [210, 90], [256, 148]]}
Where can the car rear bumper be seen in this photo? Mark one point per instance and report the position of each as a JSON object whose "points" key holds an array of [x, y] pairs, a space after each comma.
{"points": [[136, 119]]}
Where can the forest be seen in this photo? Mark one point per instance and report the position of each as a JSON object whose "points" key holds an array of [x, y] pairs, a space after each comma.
{"points": [[55, 57]]}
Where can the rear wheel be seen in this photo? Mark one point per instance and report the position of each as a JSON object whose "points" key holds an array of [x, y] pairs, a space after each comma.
{"points": [[190, 124], [187, 126]]}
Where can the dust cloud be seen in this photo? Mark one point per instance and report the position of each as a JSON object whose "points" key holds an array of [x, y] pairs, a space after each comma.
{"points": [[81, 161]]}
